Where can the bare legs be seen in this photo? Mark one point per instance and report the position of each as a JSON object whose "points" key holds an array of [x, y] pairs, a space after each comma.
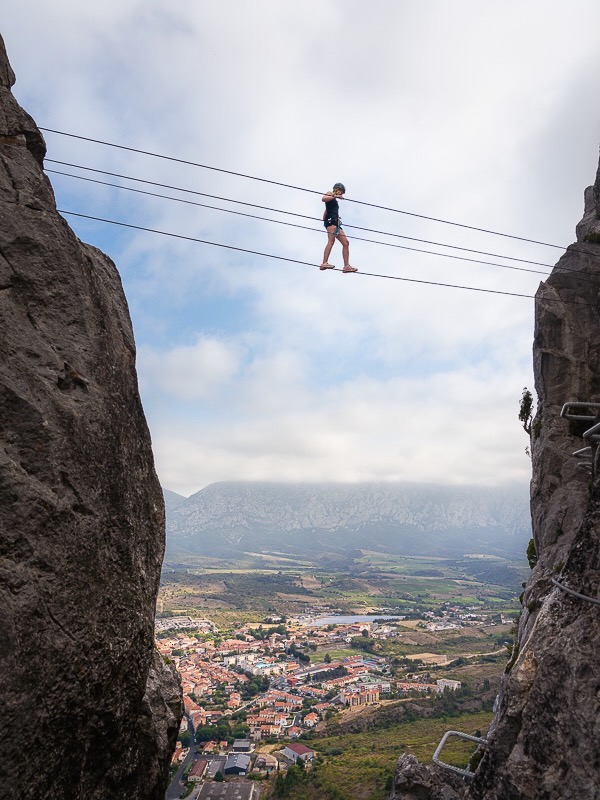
{"points": [[330, 243], [342, 238]]}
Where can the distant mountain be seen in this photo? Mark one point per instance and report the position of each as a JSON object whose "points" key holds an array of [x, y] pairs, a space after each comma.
{"points": [[172, 500], [318, 520]]}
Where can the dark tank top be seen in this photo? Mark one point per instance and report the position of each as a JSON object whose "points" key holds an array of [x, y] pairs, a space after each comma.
{"points": [[332, 208]]}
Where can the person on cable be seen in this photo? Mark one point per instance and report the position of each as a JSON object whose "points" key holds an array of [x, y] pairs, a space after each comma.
{"points": [[333, 226]]}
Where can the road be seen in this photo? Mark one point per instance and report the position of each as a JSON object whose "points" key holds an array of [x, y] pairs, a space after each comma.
{"points": [[175, 788]]}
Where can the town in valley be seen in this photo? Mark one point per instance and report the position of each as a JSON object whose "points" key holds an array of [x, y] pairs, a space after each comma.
{"points": [[265, 691]]}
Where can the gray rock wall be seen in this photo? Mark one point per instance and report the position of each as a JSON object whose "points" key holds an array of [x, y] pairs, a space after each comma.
{"points": [[88, 709], [544, 740]]}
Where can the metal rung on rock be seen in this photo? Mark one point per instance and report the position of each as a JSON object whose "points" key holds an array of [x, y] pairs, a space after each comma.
{"points": [[566, 413], [593, 432], [466, 773]]}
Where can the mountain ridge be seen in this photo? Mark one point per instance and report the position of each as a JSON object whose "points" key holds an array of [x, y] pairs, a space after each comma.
{"points": [[172, 499], [230, 515]]}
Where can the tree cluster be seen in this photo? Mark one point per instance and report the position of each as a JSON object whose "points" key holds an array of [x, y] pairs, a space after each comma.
{"points": [[303, 657], [295, 775]]}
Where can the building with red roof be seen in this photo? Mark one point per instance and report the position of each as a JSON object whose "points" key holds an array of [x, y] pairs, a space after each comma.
{"points": [[296, 751], [198, 770]]}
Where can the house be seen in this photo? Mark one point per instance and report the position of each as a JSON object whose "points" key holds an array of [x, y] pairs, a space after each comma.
{"points": [[183, 725], [360, 695], [215, 764], [383, 687], [237, 764], [311, 719], [242, 746], [190, 706], [234, 700], [198, 770], [229, 791], [179, 753], [444, 683], [413, 686], [297, 751], [265, 761], [199, 718], [268, 731]]}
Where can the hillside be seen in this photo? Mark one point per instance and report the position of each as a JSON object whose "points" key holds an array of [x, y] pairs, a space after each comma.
{"points": [[226, 519], [172, 499]]}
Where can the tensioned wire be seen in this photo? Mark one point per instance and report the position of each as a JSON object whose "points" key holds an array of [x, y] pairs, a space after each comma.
{"points": [[303, 216], [308, 263], [294, 225], [287, 213], [292, 186]]}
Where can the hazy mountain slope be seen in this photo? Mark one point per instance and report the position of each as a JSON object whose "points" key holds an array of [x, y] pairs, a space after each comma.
{"points": [[172, 499], [228, 517]]}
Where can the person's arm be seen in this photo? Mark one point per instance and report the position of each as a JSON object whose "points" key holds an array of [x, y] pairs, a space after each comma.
{"points": [[332, 196]]}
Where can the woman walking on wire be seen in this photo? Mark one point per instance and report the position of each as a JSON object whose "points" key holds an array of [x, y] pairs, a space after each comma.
{"points": [[333, 226]]}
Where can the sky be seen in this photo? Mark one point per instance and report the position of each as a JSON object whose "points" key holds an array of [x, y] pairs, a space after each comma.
{"points": [[258, 368]]}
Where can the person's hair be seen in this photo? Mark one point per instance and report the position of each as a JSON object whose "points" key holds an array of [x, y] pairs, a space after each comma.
{"points": [[339, 186]]}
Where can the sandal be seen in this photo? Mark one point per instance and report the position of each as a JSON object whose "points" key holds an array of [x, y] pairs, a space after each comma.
{"points": [[348, 268], [326, 266]]}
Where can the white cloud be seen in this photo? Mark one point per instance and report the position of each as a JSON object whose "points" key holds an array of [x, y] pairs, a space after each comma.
{"points": [[459, 427], [254, 367], [188, 372]]}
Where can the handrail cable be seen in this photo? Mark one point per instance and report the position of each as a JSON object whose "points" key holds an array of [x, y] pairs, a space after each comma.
{"points": [[307, 263], [288, 213], [292, 186], [574, 593], [295, 225]]}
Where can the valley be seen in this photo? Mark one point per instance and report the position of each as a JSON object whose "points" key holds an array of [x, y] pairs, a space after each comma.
{"points": [[358, 662]]}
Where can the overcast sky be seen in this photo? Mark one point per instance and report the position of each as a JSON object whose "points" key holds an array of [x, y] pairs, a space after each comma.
{"points": [[484, 114]]}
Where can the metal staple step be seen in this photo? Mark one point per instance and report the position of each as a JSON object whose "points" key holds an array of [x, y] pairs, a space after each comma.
{"points": [[466, 773]]}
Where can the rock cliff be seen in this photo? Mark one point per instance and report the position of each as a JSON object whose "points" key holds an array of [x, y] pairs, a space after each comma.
{"points": [[89, 711], [544, 740]]}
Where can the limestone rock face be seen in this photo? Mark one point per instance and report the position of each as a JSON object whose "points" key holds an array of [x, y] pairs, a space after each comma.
{"points": [[544, 740], [88, 710], [413, 781]]}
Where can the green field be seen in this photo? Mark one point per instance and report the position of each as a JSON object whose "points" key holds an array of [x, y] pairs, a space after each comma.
{"points": [[317, 658], [360, 766], [368, 584], [367, 755]]}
